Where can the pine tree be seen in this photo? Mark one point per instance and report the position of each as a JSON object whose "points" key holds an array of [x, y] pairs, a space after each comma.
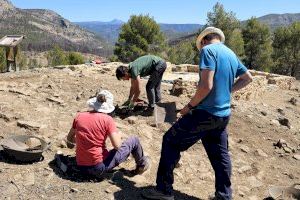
{"points": [[230, 25], [141, 35], [287, 50], [258, 45]]}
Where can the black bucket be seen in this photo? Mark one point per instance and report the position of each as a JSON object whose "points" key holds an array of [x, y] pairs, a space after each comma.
{"points": [[15, 148]]}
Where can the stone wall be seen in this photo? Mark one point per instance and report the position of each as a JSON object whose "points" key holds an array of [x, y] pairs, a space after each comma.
{"points": [[261, 81]]}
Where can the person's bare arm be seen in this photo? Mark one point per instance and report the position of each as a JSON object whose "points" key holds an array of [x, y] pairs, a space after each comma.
{"points": [[137, 88], [71, 138], [116, 139], [131, 93], [242, 81], [203, 89]]}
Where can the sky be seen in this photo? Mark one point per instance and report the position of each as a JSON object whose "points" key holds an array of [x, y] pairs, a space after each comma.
{"points": [[163, 11]]}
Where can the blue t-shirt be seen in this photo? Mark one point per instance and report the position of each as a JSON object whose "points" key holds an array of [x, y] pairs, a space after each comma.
{"points": [[227, 66]]}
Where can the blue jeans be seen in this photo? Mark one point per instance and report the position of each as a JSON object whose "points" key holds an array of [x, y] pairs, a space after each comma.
{"points": [[196, 125], [115, 157]]}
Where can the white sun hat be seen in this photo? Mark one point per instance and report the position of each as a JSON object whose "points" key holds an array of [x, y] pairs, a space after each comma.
{"points": [[103, 102], [207, 31]]}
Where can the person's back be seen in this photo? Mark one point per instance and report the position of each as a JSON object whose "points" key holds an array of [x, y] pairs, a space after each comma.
{"points": [[143, 65], [227, 67], [92, 129]]}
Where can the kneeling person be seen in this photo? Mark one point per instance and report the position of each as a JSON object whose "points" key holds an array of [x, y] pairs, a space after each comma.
{"points": [[141, 67], [90, 131]]}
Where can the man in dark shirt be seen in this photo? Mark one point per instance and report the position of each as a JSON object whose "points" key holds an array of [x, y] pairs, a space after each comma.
{"points": [[148, 65]]}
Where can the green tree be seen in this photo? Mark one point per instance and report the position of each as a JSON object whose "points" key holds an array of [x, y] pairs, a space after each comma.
{"points": [[230, 25], [2, 60], [182, 53], [287, 50], [57, 57], [258, 45], [236, 43], [75, 58], [141, 35]]}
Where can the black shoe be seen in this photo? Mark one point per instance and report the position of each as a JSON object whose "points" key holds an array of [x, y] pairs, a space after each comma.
{"points": [[141, 169]]}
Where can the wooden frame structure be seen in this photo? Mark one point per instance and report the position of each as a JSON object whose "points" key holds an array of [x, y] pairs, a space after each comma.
{"points": [[10, 42]]}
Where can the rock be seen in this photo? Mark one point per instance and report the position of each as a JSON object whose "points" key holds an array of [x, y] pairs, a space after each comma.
{"points": [[74, 190], [33, 143], [264, 113], [281, 111], [29, 125], [132, 120], [29, 179], [55, 100], [63, 144], [25, 93], [275, 122], [293, 101], [287, 149], [244, 149], [138, 179], [284, 122], [296, 156], [261, 153], [254, 182], [253, 198], [6, 117], [244, 169], [281, 143]]}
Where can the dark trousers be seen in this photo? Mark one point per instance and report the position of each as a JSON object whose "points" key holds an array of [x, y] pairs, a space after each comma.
{"points": [[115, 157], [154, 83], [196, 125]]}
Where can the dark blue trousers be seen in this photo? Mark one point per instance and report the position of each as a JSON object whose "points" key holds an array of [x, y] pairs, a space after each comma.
{"points": [[196, 125], [154, 83], [131, 145]]}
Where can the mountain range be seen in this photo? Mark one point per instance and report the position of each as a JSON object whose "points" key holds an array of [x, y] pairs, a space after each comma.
{"points": [[110, 30], [173, 32], [44, 28]]}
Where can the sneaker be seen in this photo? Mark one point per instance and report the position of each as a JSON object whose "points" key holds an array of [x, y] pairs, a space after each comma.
{"points": [[59, 163], [141, 169], [158, 195]]}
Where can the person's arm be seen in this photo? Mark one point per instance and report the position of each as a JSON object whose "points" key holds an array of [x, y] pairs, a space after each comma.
{"points": [[137, 88], [131, 92], [203, 89], [116, 139], [71, 138], [242, 81]]}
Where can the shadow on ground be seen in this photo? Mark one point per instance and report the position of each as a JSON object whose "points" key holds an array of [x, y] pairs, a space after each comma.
{"points": [[117, 177], [130, 192], [138, 110]]}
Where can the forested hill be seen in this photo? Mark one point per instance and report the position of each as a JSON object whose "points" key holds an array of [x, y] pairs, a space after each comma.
{"points": [[272, 20], [110, 30], [44, 28], [277, 20]]}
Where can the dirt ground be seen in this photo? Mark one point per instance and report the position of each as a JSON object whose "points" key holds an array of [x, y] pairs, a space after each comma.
{"points": [[43, 102]]}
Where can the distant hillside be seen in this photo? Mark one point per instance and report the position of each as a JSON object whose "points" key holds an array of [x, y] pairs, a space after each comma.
{"points": [[272, 20], [44, 28], [277, 20], [110, 30]]}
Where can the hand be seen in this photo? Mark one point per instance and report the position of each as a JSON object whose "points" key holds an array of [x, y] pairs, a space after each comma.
{"points": [[70, 144], [126, 103], [184, 111], [131, 105]]}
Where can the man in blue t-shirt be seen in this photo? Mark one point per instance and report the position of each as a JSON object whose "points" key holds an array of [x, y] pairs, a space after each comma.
{"points": [[205, 117]]}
